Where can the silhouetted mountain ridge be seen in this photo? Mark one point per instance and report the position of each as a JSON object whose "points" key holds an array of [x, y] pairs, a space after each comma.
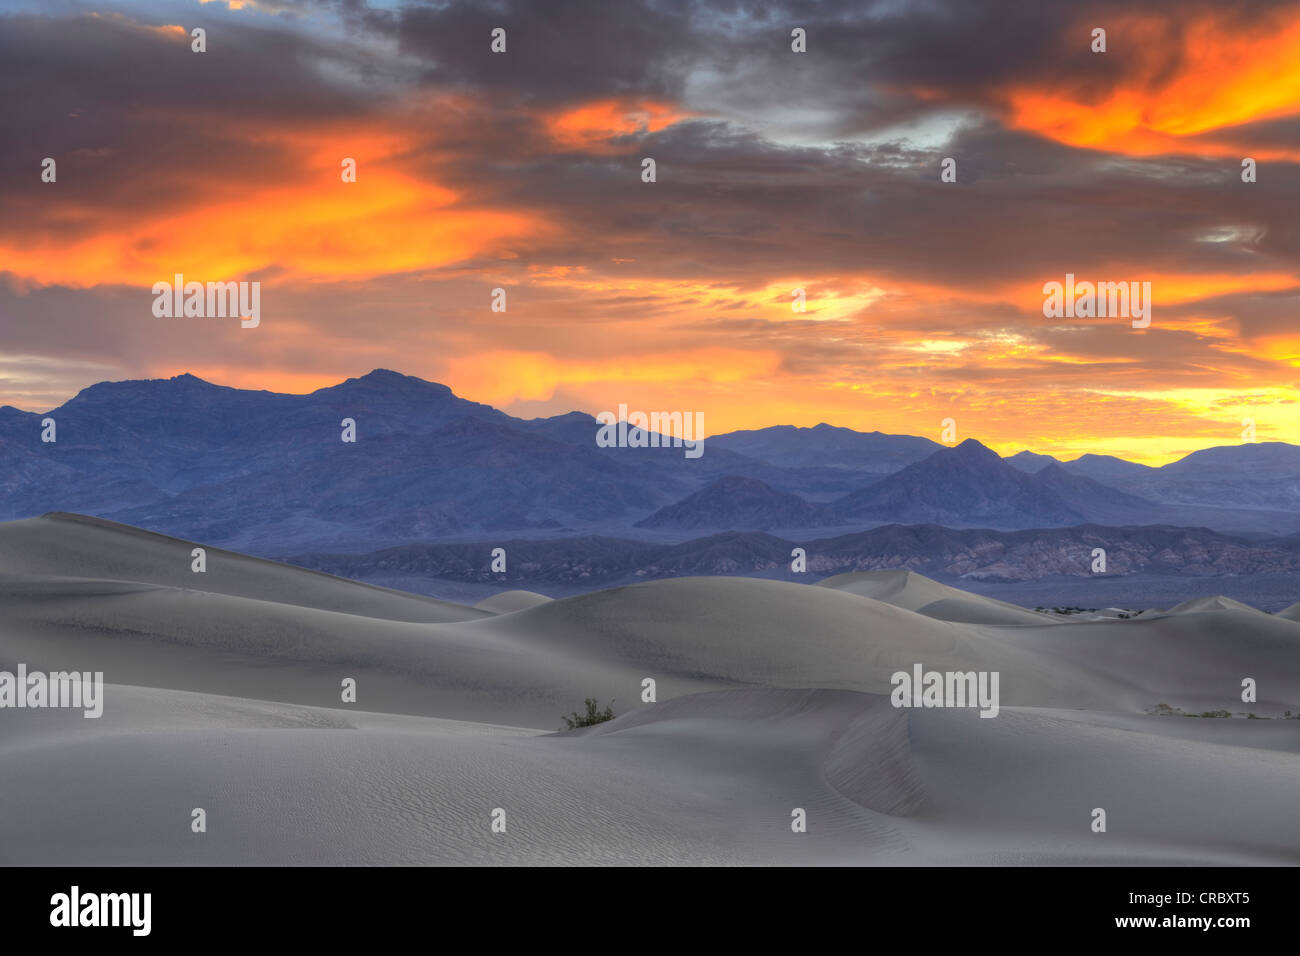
{"points": [[258, 470]]}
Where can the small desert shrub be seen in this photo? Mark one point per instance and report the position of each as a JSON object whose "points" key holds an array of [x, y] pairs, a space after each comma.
{"points": [[593, 715]]}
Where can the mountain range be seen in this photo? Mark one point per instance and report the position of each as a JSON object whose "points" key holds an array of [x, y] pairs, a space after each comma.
{"points": [[967, 557], [974, 554], [1256, 475], [267, 473]]}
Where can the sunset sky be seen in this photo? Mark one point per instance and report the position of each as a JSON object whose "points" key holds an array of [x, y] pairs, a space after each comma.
{"points": [[775, 170]]}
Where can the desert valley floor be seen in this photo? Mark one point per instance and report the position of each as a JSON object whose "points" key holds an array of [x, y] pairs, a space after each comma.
{"points": [[223, 693]]}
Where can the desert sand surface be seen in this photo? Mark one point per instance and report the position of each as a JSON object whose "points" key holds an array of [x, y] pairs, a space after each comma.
{"points": [[509, 601], [1215, 602], [223, 692], [915, 592]]}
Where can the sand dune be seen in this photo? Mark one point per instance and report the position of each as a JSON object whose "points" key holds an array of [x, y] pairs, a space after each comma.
{"points": [[507, 602], [225, 694], [1216, 602], [76, 546], [704, 779], [914, 592]]}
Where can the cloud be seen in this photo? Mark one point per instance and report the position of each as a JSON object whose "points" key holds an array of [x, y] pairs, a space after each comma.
{"points": [[776, 171]]}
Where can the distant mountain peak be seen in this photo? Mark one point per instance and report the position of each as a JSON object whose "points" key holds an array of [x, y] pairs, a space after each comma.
{"points": [[383, 380], [156, 389], [966, 484], [567, 417], [1030, 462], [972, 450], [737, 502], [387, 375]]}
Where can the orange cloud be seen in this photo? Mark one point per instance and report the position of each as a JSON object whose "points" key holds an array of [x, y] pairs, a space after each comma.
{"points": [[168, 31], [1196, 77], [1166, 288], [591, 127], [316, 226], [1280, 348]]}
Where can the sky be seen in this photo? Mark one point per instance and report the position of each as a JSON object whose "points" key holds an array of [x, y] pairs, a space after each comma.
{"points": [[775, 170]]}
